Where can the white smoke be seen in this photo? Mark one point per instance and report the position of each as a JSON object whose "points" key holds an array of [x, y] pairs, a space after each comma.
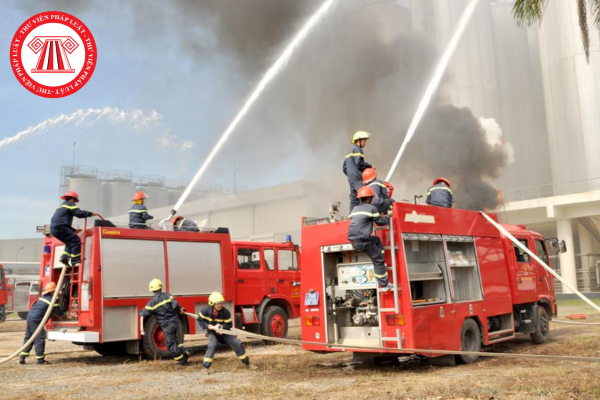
{"points": [[495, 137], [136, 119]]}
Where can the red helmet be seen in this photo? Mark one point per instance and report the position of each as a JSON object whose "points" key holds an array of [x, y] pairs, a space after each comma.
{"points": [[72, 194], [368, 175], [139, 196], [365, 191], [177, 219], [438, 180]]}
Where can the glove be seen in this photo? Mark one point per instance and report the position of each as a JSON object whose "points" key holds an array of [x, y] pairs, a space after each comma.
{"points": [[390, 189]]}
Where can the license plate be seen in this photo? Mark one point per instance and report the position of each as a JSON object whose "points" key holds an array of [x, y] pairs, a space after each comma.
{"points": [[311, 299]]}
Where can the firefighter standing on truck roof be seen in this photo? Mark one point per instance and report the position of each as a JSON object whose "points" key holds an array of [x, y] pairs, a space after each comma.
{"points": [[34, 318], [383, 198], [216, 316], [61, 228], [360, 230], [166, 310], [440, 194], [355, 164], [138, 213], [181, 224]]}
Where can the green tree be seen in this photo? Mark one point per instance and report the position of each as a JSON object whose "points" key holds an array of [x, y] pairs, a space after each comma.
{"points": [[530, 12]]}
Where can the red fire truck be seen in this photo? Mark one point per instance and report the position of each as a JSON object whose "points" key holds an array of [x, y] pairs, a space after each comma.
{"points": [[3, 294], [260, 282], [460, 285]]}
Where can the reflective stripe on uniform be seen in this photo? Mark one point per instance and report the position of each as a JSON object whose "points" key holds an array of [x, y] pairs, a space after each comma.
{"points": [[162, 303], [381, 276], [355, 155], [213, 320], [71, 255], [181, 223], [25, 354], [138, 211], [439, 187], [44, 301], [208, 359], [40, 357], [368, 214], [180, 345], [242, 357], [69, 207], [178, 358]]}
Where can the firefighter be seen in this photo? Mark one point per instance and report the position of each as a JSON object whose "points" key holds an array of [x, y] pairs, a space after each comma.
{"points": [[61, 228], [383, 198], [355, 164], [166, 309], [440, 194], [359, 233], [215, 316], [138, 213], [181, 224], [34, 318]]}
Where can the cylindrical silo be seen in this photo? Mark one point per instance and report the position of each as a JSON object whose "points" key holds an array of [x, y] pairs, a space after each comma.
{"points": [[572, 93], [158, 196], [117, 196], [89, 190]]}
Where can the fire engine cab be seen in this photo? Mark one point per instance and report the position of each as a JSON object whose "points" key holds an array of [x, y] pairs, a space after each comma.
{"points": [[102, 296], [460, 285]]}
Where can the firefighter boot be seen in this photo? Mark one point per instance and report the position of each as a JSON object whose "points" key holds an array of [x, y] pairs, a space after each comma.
{"points": [[388, 287], [64, 260], [183, 362], [22, 360], [246, 362], [42, 361]]}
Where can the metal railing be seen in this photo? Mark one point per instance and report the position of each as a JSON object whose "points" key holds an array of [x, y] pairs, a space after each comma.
{"points": [[551, 189]]}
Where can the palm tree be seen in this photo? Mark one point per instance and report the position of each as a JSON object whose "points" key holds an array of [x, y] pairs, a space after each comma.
{"points": [[529, 12]]}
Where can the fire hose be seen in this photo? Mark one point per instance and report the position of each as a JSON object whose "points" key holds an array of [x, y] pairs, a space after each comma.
{"points": [[296, 342]]}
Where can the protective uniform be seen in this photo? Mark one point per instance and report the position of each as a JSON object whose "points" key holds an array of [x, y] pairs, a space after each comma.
{"points": [[359, 233], [138, 215], [381, 201], [354, 165], [210, 316], [439, 195], [166, 309], [60, 227], [35, 316], [185, 225]]}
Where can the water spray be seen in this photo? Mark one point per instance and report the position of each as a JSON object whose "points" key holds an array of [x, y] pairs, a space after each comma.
{"points": [[279, 64], [435, 81]]}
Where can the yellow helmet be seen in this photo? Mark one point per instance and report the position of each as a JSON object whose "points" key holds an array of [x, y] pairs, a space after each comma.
{"points": [[155, 284], [214, 298], [360, 135]]}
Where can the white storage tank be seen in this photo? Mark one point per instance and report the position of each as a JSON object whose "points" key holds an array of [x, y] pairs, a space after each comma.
{"points": [[117, 196], [158, 196], [89, 190]]}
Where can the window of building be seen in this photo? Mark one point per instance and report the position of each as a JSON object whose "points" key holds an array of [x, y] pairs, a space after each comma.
{"points": [[248, 259]]}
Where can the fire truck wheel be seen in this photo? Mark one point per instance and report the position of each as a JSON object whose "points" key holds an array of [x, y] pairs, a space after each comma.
{"points": [[2, 314], [470, 338], [542, 331], [23, 315], [274, 323], [111, 349], [153, 342]]}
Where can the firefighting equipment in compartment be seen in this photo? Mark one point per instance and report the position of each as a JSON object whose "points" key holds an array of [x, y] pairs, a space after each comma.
{"points": [[365, 192], [139, 196], [360, 135], [50, 287], [438, 180], [369, 175], [155, 284], [439, 195], [71, 194], [214, 298]]}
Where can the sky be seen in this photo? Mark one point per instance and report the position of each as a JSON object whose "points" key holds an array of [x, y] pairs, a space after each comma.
{"points": [[184, 105]]}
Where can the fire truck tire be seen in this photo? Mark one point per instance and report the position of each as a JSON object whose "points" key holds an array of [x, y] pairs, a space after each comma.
{"points": [[23, 314], [470, 339], [153, 344], [111, 349], [274, 323], [542, 330], [2, 314]]}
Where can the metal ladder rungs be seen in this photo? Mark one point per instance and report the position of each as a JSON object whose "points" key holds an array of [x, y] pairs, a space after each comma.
{"points": [[382, 310], [382, 228], [389, 339]]}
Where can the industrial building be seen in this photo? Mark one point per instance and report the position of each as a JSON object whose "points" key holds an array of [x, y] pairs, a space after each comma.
{"points": [[535, 82]]}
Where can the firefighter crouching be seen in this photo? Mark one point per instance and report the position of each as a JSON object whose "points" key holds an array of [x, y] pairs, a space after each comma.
{"points": [[383, 198], [216, 316], [166, 309], [355, 164], [440, 194], [61, 228], [181, 224], [138, 213], [359, 233], [34, 318]]}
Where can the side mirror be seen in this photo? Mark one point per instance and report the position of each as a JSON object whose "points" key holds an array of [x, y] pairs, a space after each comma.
{"points": [[562, 246]]}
